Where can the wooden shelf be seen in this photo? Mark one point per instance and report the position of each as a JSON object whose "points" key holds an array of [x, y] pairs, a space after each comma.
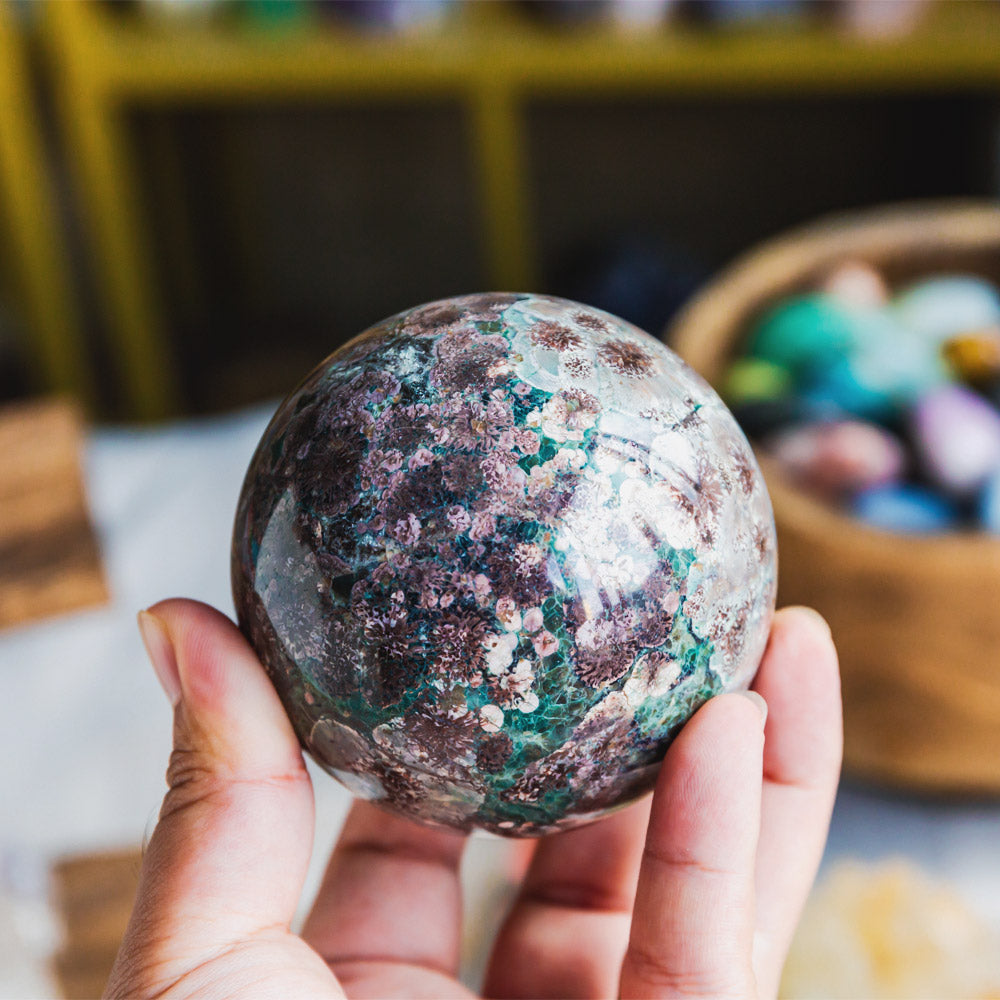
{"points": [[168, 62], [490, 60], [32, 248]]}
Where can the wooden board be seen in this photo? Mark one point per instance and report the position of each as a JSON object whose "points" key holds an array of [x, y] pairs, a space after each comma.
{"points": [[93, 895], [49, 557]]}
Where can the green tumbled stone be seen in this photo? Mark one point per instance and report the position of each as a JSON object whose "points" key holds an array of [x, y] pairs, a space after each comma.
{"points": [[803, 333], [753, 379]]}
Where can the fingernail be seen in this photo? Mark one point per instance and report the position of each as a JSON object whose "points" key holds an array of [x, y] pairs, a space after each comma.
{"points": [[161, 654], [759, 702], [818, 619]]}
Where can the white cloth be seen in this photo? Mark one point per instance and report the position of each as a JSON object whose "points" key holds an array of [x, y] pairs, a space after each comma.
{"points": [[85, 729]]}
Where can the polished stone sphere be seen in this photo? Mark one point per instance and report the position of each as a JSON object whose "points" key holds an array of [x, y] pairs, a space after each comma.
{"points": [[494, 552]]}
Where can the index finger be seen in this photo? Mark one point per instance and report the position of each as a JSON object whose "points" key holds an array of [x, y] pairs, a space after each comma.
{"points": [[692, 925]]}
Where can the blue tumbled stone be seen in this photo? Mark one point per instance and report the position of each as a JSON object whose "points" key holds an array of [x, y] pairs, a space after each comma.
{"points": [[989, 505], [839, 388], [905, 509]]}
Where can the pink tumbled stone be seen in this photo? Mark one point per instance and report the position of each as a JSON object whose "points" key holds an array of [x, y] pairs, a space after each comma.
{"points": [[839, 458], [857, 285]]}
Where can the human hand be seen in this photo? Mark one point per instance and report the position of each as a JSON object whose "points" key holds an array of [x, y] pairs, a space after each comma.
{"points": [[695, 892]]}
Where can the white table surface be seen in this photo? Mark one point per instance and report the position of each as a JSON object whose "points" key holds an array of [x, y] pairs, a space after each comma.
{"points": [[85, 729]]}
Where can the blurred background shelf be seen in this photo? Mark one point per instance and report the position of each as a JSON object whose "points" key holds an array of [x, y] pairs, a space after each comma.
{"points": [[489, 44], [489, 151], [32, 255]]}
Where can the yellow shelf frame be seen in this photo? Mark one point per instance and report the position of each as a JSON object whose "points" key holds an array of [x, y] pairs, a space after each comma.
{"points": [[37, 255], [489, 61]]}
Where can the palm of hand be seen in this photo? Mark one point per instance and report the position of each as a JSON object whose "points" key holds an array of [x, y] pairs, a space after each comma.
{"points": [[695, 892]]}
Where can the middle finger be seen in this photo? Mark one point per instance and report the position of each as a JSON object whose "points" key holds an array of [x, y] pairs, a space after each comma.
{"points": [[390, 896], [568, 930]]}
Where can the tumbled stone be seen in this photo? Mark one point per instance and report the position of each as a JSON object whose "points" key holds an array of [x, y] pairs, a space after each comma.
{"points": [[840, 457], [886, 370], [856, 285], [974, 357], [988, 508], [802, 333], [956, 434], [752, 379], [948, 305], [905, 509], [840, 389], [892, 362]]}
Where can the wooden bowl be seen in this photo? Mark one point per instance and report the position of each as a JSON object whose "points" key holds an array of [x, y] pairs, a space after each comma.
{"points": [[916, 619]]}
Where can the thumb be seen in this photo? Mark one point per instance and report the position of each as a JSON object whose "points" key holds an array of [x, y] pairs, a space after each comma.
{"points": [[229, 854]]}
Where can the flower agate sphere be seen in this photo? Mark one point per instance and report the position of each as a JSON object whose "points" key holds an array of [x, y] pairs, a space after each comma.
{"points": [[494, 552]]}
